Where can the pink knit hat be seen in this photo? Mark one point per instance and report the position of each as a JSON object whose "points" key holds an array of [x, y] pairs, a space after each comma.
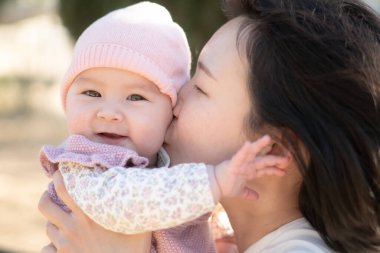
{"points": [[141, 38]]}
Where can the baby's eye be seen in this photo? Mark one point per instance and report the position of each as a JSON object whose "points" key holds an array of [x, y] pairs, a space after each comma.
{"points": [[92, 93], [135, 97]]}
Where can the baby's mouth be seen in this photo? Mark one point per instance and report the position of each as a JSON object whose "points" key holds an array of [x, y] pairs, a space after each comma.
{"points": [[112, 139], [111, 135]]}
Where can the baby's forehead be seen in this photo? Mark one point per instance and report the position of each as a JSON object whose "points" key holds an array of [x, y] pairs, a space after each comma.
{"points": [[115, 79]]}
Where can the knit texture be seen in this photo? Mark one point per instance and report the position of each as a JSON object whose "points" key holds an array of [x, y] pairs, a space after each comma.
{"points": [[193, 236], [79, 149], [142, 39]]}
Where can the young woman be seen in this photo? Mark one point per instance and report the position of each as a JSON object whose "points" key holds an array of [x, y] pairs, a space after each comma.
{"points": [[306, 73]]}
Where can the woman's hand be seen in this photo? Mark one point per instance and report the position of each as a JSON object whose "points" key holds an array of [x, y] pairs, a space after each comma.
{"points": [[226, 245], [75, 233]]}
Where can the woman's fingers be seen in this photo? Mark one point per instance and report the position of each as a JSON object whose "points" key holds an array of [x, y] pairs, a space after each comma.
{"points": [[62, 240], [51, 211], [52, 233], [49, 249], [63, 194], [76, 212]]}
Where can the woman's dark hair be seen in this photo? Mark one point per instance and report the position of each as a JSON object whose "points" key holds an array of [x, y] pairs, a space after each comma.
{"points": [[315, 72]]}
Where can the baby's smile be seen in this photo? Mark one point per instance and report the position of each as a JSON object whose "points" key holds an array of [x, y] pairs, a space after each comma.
{"points": [[112, 138]]}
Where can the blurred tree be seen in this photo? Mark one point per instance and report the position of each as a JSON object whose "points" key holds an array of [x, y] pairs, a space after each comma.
{"points": [[199, 18], [2, 2], [78, 14], [14, 10]]}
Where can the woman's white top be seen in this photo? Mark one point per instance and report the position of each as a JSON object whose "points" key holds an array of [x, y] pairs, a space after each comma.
{"points": [[297, 236]]}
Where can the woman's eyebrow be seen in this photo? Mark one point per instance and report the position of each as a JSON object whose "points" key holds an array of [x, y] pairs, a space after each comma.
{"points": [[205, 69]]}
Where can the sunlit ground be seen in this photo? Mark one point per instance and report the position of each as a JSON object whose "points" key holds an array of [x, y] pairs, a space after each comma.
{"points": [[34, 55], [22, 228]]}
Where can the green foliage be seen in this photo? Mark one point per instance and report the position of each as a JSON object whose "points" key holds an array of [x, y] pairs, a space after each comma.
{"points": [[199, 18], [2, 3], [78, 14]]}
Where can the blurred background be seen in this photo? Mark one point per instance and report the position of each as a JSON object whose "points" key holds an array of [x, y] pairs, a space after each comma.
{"points": [[36, 41]]}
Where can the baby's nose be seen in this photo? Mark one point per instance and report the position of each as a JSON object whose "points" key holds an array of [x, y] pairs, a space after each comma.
{"points": [[109, 114]]}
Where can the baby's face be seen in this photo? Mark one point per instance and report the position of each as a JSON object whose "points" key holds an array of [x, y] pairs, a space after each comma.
{"points": [[118, 107]]}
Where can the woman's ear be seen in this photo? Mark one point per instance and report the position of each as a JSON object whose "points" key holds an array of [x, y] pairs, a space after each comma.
{"points": [[283, 142], [278, 149]]}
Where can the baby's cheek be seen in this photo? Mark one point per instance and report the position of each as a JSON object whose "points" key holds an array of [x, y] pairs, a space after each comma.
{"points": [[151, 142], [75, 125]]}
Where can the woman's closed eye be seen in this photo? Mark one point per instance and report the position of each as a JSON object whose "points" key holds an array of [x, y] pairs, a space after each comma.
{"points": [[196, 87], [91, 93], [135, 97]]}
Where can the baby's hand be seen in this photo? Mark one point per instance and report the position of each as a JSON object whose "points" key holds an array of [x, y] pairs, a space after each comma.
{"points": [[247, 164]]}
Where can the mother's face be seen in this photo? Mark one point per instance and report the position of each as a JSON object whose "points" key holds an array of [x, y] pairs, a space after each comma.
{"points": [[209, 123]]}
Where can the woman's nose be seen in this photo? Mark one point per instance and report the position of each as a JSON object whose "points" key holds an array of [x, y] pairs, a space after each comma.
{"points": [[109, 114], [180, 100], [177, 108]]}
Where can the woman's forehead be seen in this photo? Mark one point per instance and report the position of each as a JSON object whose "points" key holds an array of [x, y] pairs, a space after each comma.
{"points": [[221, 56], [225, 37]]}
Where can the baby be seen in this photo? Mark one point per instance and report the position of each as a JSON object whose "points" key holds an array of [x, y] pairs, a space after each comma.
{"points": [[118, 95]]}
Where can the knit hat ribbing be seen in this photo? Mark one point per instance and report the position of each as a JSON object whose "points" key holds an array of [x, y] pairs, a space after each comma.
{"points": [[141, 38]]}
